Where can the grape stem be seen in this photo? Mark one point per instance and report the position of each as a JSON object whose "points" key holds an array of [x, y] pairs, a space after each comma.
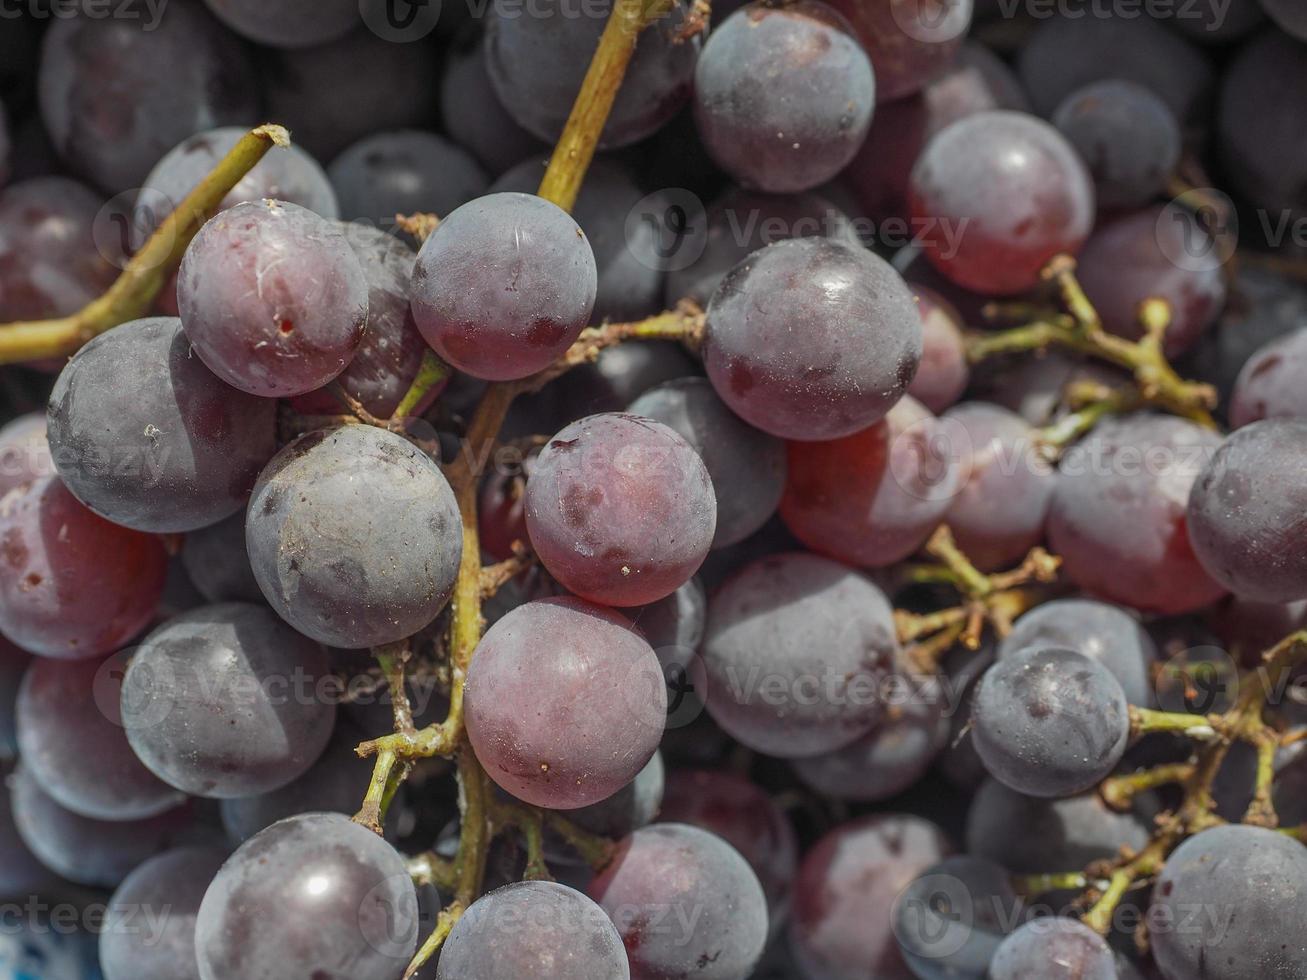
{"points": [[495, 577], [420, 224], [134, 291], [1119, 792], [1091, 403], [1145, 721]]}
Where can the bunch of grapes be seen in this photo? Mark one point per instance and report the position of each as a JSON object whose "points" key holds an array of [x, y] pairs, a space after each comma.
{"points": [[653, 490]]}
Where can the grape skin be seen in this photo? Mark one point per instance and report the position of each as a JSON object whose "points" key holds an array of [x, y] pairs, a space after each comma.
{"points": [[537, 929], [620, 509], [907, 58], [315, 896], [633, 806], [621, 375], [1245, 509], [943, 375], [72, 585], [472, 113], [224, 702], [1054, 949], [1288, 15], [796, 650], [21, 873], [217, 563], [13, 666], [288, 23], [1269, 386], [812, 339], [147, 436], [684, 901], [460, 301], [783, 97], [354, 536], [1049, 722], [24, 449], [565, 703]]}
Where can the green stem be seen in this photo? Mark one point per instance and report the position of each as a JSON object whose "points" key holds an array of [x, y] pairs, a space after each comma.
{"points": [[1144, 721]]}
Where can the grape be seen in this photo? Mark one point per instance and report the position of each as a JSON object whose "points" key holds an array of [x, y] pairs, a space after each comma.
{"points": [[998, 194], [1268, 386], [1097, 630], [1068, 53], [633, 806], [404, 171], [1245, 507], [1127, 136], [315, 896], [72, 585], [909, 41], [145, 435], [1290, 16], [796, 651], [783, 96], [676, 622], [1005, 485], [501, 507], [958, 762], [685, 902], [949, 921], [537, 60], [116, 95], [1055, 949], [20, 871], [1245, 884], [845, 892], [1118, 513], [1246, 626], [225, 701], [149, 926], [49, 263], [621, 375], [24, 450], [217, 562], [942, 377], [875, 497], [387, 362], [503, 286], [1133, 259], [6, 145], [743, 815], [537, 929], [14, 663], [1049, 722], [565, 703], [97, 853], [473, 115], [811, 338], [746, 466], [288, 23], [620, 509], [272, 298], [1035, 388], [397, 90], [354, 536], [742, 222], [1220, 25]]}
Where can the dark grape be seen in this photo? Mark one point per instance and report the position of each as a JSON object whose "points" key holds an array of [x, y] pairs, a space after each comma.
{"points": [[288, 23], [620, 509], [1269, 386], [783, 96], [504, 285], [685, 903], [21, 873], [1246, 626], [633, 806], [6, 146], [14, 663], [1245, 507], [537, 929], [1128, 137], [796, 651], [1036, 387], [746, 466], [997, 195], [1118, 513], [621, 375], [185, 74], [1053, 948], [1215, 25], [873, 498], [565, 703], [812, 339], [472, 113], [354, 536], [943, 375], [501, 507], [1290, 16], [315, 896], [72, 585], [217, 562], [24, 450], [147, 436], [958, 762], [910, 42], [149, 926]]}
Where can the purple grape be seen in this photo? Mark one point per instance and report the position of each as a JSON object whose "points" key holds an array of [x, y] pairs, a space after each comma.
{"points": [[958, 762], [943, 375], [796, 652], [14, 663], [620, 509], [910, 42], [537, 60], [217, 563], [21, 873], [1220, 25], [812, 339], [844, 895], [675, 623], [288, 23], [685, 903], [1245, 507], [72, 585], [746, 466], [272, 298], [354, 536], [621, 375], [1035, 387], [565, 703], [1290, 16], [1269, 385], [147, 436], [783, 96], [314, 896], [182, 74], [24, 450], [504, 286], [1118, 513], [472, 113], [1054, 949], [633, 806], [537, 929]]}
